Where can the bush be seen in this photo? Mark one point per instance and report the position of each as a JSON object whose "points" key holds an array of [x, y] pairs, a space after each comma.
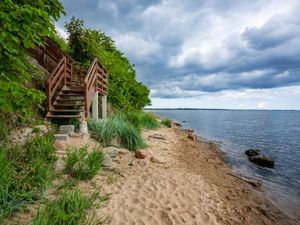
{"points": [[83, 165], [117, 127], [26, 171], [148, 121], [141, 119], [167, 122], [70, 208]]}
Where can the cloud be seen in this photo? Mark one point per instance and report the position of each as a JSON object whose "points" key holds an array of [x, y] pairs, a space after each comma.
{"points": [[188, 48]]}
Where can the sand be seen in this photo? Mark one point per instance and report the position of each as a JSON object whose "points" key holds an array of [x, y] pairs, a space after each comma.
{"points": [[187, 182], [191, 185]]}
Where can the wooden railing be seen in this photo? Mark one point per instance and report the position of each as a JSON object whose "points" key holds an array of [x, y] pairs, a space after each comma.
{"points": [[57, 79], [95, 80]]}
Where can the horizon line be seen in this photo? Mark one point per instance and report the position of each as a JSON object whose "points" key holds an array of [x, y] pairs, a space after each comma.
{"points": [[183, 108]]}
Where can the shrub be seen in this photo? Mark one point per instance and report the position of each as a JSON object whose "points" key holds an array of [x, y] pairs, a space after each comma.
{"points": [[141, 119], [148, 121], [83, 165], [70, 208], [167, 122], [26, 171], [117, 127]]}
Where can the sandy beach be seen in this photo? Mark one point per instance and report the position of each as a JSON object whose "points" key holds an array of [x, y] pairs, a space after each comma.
{"points": [[183, 182]]}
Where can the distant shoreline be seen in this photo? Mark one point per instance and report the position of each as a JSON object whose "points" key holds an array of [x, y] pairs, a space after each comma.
{"points": [[152, 109]]}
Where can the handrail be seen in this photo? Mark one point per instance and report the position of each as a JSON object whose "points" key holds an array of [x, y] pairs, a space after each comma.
{"points": [[57, 77], [95, 80]]}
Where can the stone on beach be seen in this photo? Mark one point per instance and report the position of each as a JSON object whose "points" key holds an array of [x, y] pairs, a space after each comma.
{"points": [[192, 136], [107, 161], [142, 154], [252, 152], [261, 160]]}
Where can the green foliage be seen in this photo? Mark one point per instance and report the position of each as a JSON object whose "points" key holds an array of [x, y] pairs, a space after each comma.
{"points": [[25, 172], [167, 122], [70, 208], [23, 25], [84, 165], [124, 91], [117, 127], [141, 119]]}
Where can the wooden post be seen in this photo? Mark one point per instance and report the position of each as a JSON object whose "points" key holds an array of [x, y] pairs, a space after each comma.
{"points": [[72, 71], [65, 72]]}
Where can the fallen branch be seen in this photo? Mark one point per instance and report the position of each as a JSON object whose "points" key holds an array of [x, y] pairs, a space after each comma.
{"points": [[156, 136], [254, 182]]}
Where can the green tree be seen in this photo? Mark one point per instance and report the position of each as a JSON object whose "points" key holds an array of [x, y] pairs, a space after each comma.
{"points": [[124, 91], [23, 24]]}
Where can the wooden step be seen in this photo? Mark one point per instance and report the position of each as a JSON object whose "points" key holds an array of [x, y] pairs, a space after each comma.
{"points": [[66, 110], [73, 89], [70, 99], [67, 105], [63, 116], [70, 94]]}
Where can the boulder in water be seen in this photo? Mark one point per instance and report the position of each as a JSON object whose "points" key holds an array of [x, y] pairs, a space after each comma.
{"points": [[261, 160], [252, 152]]}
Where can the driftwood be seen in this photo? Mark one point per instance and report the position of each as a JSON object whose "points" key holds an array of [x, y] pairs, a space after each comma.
{"points": [[157, 136], [254, 182]]}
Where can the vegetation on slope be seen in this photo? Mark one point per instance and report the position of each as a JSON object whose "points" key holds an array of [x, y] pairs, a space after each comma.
{"points": [[83, 165], [26, 171], [70, 208]]}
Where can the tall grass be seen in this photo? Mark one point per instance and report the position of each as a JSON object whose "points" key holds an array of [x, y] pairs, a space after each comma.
{"points": [[84, 165], [167, 122], [26, 171], [117, 127], [70, 208], [141, 119]]}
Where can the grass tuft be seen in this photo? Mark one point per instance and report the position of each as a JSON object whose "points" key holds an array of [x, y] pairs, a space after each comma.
{"points": [[84, 165], [70, 208], [26, 171], [167, 122], [117, 127]]}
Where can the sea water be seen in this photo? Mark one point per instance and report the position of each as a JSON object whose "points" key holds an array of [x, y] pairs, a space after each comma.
{"points": [[276, 133]]}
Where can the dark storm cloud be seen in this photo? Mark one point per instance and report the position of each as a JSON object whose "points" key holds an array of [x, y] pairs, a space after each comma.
{"points": [[184, 48]]}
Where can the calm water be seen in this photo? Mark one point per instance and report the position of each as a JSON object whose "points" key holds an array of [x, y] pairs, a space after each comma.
{"points": [[276, 133]]}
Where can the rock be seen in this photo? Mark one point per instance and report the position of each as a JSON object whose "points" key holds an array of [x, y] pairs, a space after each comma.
{"points": [[116, 142], [142, 154], [58, 145], [157, 159], [192, 136], [61, 137], [83, 127], [107, 161], [252, 152], [131, 163], [183, 121], [177, 124], [113, 153], [59, 165], [66, 129], [261, 160], [190, 130]]}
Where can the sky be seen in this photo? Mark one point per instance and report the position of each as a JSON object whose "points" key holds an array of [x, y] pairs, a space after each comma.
{"points": [[233, 54]]}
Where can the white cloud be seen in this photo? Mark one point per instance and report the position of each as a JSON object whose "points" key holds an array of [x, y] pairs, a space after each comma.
{"points": [[61, 31], [137, 46]]}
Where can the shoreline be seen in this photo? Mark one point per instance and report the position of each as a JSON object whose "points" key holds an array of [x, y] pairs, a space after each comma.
{"points": [[188, 183]]}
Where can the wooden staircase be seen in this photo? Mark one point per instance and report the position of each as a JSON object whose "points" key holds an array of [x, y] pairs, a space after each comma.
{"points": [[69, 91]]}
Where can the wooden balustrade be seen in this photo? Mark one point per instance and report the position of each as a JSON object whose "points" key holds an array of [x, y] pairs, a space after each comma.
{"points": [[95, 80], [57, 79]]}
